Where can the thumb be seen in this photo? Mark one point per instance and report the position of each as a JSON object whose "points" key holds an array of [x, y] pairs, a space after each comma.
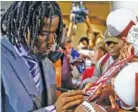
{"points": [[131, 50], [113, 103], [87, 86]]}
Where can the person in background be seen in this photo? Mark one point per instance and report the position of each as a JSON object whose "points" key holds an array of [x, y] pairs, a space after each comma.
{"points": [[90, 31], [114, 45], [127, 90], [98, 38], [66, 76], [64, 35], [30, 30], [99, 51], [83, 43], [126, 28]]}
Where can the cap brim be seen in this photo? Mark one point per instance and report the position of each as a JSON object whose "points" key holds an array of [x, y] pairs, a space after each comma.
{"points": [[111, 39]]}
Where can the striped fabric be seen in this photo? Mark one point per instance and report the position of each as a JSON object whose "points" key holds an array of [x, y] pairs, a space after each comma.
{"points": [[34, 70], [32, 64]]}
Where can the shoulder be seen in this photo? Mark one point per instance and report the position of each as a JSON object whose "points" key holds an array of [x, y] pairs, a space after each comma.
{"points": [[74, 51], [99, 63]]}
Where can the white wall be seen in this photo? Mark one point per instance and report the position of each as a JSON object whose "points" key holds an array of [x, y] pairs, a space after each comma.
{"points": [[128, 4], [5, 4]]}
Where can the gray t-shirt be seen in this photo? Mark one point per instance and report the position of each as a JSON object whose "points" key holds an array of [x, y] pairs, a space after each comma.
{"points": [[99, 70]]}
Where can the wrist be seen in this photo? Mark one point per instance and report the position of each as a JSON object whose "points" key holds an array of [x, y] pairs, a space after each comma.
{"points": [[88, 22], [71, 23]]}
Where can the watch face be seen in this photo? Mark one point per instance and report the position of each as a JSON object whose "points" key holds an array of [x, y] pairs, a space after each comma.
{"points": [[132, 37]]}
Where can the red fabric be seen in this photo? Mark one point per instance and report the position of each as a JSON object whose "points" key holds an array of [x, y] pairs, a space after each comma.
{"points": [[125, 31], [88, 73]]}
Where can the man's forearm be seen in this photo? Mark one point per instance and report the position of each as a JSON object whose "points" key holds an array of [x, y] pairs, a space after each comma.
{"points": [[70, 30], [90, 33]]}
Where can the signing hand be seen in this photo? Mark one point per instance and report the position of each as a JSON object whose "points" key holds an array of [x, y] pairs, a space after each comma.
{"points": [[68, 100]]}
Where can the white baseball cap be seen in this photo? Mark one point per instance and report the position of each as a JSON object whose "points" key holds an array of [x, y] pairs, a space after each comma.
{"points": [[132, 38], [125, 84], [120, 21]]}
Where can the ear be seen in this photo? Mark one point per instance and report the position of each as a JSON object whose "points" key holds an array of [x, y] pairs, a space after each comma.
{"points": [[101, 53]]}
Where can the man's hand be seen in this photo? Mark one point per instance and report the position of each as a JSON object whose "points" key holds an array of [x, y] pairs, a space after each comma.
{"points": [[68, 100], [87, 86], [126, 51], [90, 32]]}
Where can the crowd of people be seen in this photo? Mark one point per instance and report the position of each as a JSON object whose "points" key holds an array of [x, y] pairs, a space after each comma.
{"points": [[33, 38]]}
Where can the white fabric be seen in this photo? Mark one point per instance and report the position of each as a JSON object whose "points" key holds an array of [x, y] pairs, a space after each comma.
{"points": [[88, 63], [125, 83], [50, 108], [86, 52], [132, 36], [90, 107], [119, 19], [81, 46]]}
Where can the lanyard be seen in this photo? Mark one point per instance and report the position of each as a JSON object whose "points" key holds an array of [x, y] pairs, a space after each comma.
{"points": [[110, 72]]}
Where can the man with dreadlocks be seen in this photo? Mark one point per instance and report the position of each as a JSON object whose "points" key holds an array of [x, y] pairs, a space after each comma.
{"points": [[30, 30]]}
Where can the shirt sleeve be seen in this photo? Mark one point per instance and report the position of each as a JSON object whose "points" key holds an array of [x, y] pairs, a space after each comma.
{"points": [[50, 108]]}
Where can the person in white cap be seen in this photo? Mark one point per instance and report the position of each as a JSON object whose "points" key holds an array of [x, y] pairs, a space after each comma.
{"points": [[122, 23], [132, 47], [114, 45], [125, 90], [119, 23]]}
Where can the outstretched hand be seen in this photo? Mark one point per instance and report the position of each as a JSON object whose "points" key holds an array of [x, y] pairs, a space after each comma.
{"points": [[106, 97], [114, 105], [103, 95], [87, 19], [72, 16], [127, 51]]}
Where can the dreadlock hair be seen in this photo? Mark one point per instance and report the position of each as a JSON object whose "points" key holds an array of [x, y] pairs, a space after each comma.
{"points": [[25, 16]]}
